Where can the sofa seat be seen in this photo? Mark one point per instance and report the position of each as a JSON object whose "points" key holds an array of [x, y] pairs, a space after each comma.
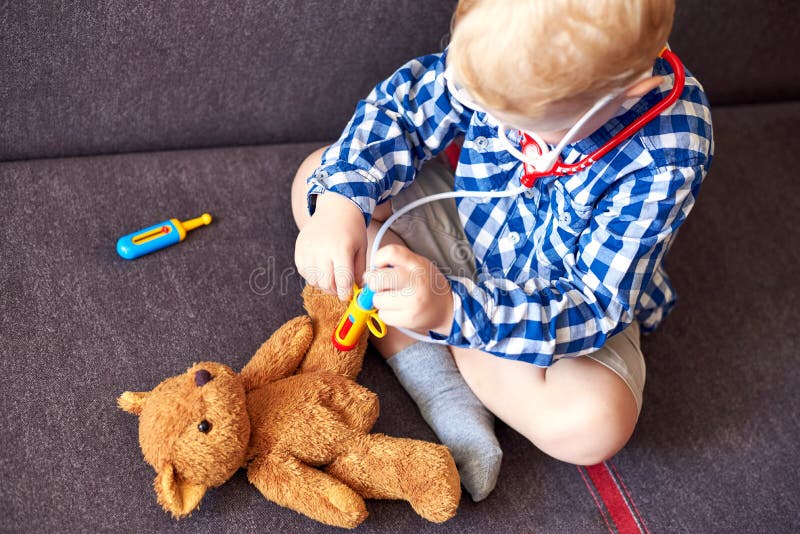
{"points": [[713, 450]]}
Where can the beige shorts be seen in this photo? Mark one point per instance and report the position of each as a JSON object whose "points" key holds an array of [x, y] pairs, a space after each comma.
{"points": [[434, 230]]}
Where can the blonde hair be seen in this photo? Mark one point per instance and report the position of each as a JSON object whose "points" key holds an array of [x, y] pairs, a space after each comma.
{"points": [[525, 56]]}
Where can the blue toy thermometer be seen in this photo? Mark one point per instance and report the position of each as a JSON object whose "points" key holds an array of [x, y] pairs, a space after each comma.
{"points": [[158, 236]]}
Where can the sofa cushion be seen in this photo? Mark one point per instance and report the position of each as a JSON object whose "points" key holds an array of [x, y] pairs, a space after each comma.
{"points": [[78, 325]]}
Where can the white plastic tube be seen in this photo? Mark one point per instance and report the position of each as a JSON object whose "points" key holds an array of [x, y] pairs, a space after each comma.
{"points": [[425, 200]]}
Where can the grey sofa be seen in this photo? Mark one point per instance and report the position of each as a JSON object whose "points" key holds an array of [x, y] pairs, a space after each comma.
{"points": [[116, 116]]}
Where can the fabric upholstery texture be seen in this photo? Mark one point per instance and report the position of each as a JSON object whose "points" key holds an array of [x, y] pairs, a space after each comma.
{"points": [[87, 78], [80, 325], [715, 448]]}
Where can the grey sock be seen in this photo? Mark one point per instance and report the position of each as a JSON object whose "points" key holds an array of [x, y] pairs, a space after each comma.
{"points": [[429, 374]]}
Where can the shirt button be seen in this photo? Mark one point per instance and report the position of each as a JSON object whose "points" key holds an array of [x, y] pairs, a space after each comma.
{"points": [[321, 175], [481, 142], [513, 238], [566, 218], [528, 193]]}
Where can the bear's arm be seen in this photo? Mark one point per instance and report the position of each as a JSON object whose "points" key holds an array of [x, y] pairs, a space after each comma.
{"points": [[280, 355]]}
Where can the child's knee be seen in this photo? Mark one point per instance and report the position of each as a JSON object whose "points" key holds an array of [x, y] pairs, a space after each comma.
{"points": [[603, 433], [587, 432]]}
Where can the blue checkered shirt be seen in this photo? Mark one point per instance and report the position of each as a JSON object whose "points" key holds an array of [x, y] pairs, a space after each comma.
{"points": [[564, 266]]}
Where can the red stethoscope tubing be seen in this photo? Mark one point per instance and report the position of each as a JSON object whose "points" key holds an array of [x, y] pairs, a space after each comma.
{"points": [[559, 168]]}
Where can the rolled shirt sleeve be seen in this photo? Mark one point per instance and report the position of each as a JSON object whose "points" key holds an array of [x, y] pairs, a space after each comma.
{"points": [[406, 120]]}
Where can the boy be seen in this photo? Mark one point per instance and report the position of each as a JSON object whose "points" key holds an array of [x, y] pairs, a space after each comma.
{"points": [[541, 295]]}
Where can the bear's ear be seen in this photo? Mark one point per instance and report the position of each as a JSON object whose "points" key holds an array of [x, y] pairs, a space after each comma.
{"points": [[176, 496], [132, 401]]}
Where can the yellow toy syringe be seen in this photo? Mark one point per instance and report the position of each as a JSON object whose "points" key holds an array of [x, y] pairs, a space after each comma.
{"points": [[360, 314]]}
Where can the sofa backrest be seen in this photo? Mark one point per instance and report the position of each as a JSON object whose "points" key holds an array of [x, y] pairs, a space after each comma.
{"points": [[88, 77], [743, 51]]}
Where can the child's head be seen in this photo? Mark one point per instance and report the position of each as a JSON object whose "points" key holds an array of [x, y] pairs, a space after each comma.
{"points": [[545, 62]]}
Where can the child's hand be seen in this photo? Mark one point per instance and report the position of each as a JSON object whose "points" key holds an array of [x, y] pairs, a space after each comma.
{"points": [[410, 291], [330, 252]]}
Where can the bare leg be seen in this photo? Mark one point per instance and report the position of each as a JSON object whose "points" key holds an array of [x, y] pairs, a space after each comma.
{"points": [[577, 410]]}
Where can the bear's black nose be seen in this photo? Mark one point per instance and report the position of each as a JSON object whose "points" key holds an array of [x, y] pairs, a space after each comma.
{"points": [[202, 377]]}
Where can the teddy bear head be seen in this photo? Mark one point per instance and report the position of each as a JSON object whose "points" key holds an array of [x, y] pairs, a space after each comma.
{"points": [[194, 430]]}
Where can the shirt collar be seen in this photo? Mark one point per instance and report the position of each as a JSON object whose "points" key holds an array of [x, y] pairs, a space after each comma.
{"points": [[631, 109]]}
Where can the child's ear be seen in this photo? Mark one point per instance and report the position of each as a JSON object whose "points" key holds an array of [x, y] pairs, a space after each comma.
{"points": [[132, 401], [177, 496], [642, 87]]}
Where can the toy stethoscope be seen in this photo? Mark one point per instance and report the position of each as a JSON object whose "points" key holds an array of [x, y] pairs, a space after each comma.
{"points": [[538, 163]]}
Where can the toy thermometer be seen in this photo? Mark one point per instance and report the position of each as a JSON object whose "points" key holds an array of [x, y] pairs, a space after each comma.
{"points": [[360, 314], [158, 236]]}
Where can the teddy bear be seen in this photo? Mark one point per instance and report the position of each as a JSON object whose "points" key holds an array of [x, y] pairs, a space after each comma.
{"points": [[297, 421]]}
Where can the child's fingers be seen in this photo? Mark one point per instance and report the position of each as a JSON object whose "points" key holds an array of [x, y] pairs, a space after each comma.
{"points": [[390, 301], [387, 279], [319, 277], [392, 317], [400, 318], [343, 277], [325, 280], [395, 255], [360, 265]]}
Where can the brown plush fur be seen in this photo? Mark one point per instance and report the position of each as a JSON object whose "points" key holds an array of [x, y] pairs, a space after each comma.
{"points": [[298, 422]]}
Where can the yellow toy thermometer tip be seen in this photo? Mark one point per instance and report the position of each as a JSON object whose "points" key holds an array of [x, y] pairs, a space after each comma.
{"points": [[197, 222]]}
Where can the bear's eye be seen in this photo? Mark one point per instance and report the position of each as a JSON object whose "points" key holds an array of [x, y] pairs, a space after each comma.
{"points": [[204, 426]]}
